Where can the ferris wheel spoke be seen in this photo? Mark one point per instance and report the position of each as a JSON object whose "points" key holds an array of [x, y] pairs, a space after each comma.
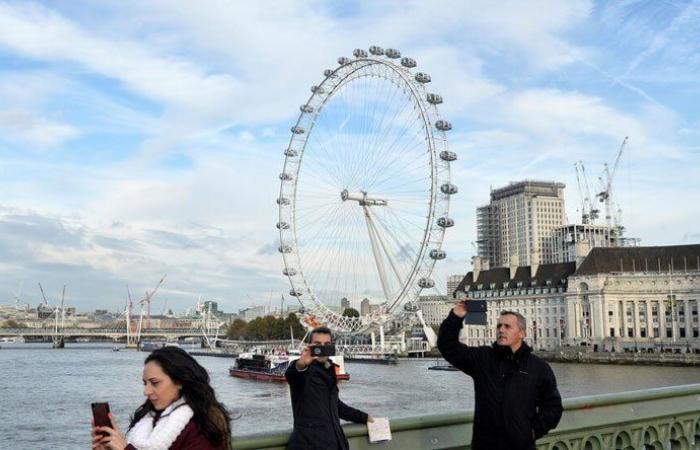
{"points": [[359, 190]]}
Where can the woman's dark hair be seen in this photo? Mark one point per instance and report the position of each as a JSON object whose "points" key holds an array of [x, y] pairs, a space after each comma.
{"points": [[210, 415]]}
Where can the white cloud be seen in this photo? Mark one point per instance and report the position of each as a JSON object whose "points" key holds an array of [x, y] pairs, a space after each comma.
{"points": [[22, 125]]}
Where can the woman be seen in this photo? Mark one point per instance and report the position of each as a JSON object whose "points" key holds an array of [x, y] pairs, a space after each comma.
{"points": [[180, 412]]}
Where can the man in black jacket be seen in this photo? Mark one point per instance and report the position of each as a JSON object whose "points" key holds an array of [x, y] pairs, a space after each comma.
{"points": [[315, 403], [516, 395]]}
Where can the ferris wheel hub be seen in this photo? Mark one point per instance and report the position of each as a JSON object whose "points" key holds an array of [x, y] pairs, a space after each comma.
{"points": [[362, 199]]}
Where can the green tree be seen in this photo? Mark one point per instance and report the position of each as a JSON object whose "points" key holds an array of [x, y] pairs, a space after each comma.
{"points": [[237, 329], [254, 330], [351, 312], [292, 321], [11, 323]]}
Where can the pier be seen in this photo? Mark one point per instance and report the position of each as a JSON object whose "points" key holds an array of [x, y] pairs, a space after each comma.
{"points": [[661, 418]]}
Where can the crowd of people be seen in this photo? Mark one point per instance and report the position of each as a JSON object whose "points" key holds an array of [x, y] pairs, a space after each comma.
{"points": [[516, 396]]}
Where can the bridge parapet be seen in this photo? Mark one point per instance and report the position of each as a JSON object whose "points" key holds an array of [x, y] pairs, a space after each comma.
{"points": [[661, 418]]}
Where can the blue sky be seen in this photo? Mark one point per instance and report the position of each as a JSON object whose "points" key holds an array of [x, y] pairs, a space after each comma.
{"points": [[143, 138]]}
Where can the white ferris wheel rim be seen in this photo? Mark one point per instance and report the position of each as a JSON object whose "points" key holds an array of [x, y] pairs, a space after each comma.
{"points": [[412, 273]]}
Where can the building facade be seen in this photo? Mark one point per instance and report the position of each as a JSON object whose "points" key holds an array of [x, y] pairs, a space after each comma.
{"points": [[435, 308], [616, 299], [573, 242], [364, 307], [537, 292], [516, 226], [452, 283], [637, 298]]}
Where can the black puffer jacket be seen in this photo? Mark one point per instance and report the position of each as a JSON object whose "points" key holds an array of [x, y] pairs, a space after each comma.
{"points": [[318, 410], [516, 394]]}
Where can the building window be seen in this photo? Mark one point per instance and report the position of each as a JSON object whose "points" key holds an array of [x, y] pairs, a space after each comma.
{"points": [[643, 332], [630, 332], [669, 333], [612, 332], [656, 332]]}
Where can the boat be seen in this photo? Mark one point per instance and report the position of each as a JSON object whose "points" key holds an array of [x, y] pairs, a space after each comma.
{"points": [[372, 358], [271, 367], [444, 366]]}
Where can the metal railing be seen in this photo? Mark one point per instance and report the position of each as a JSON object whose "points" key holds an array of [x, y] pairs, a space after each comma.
{"points": [[660, 418]]}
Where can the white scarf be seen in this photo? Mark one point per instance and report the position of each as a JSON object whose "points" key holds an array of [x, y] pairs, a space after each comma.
{"points": [[144, 436]]}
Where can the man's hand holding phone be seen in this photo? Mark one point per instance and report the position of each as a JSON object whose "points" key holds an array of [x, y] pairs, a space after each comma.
{"points": [[460, 308], [305, 359]]}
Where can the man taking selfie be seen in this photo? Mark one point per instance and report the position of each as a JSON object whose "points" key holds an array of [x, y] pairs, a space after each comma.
{"points": [[516, 396], [315, 403]]}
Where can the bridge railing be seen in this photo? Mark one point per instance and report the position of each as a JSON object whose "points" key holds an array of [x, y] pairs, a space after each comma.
{"points": [[96, 331], [661, 418]]}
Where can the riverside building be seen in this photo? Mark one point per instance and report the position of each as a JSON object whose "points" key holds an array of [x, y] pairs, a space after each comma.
{"points": [[518, 223], [615, 299]]}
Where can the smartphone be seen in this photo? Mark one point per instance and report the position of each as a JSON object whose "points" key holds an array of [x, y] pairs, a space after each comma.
{"points": [[476, 312], [100, 412], [322, 350]]}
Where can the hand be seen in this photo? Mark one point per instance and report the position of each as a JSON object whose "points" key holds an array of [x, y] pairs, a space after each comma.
{"points": [[370, 419], [305, 359], [96, 437], [460, 308], [115, 439]]}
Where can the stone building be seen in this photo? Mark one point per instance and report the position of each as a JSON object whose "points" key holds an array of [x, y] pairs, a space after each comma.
{"points": [[621, 299], [643, 298]]}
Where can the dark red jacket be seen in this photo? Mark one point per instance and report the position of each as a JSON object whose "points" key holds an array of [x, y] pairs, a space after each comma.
{"points": [[191, 438]]}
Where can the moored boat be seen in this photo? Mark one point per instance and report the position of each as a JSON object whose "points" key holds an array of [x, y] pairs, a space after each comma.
{"points": [[272, 367]]}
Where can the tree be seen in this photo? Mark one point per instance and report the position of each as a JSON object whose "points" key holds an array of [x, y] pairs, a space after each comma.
{"points": [[13, 324], [292, 321], [351, 312], [237, 329]]}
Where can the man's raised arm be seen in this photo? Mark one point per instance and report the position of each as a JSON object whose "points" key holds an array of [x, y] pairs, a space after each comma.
{"points": [[459, 355]]}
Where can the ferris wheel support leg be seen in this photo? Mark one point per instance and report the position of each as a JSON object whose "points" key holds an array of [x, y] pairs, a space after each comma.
{"points": [[381, 337], [377, 255], [383, 242]]}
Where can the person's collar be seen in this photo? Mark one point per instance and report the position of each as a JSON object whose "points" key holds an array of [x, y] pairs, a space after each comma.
{"points": [[505, 350]]}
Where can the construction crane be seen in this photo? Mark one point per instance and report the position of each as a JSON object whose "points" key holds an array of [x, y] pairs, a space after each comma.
{"points": [[146, 304], [46, 302], [588, 212], [593, 212], [605, 196]]}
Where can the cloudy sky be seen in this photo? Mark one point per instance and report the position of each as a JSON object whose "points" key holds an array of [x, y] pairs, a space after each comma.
{"points": [[143, 138]]}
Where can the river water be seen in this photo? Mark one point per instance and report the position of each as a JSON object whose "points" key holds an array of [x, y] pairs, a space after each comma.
{"points": [[45, 394]]}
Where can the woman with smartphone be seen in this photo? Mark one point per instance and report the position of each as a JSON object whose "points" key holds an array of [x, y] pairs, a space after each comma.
{"points": [[180, 412]]}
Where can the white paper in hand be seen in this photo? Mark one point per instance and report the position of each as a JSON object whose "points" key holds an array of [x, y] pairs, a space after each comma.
{"points": [[379, 430]]}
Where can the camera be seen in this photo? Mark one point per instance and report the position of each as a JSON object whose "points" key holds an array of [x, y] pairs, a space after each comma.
{"points": [[322, 350]]}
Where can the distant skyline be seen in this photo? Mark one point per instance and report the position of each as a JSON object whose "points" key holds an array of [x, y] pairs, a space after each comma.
{"points": [[144, 138]]}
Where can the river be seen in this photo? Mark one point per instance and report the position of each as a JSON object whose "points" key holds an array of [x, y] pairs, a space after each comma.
{"points": [[45, 394]]}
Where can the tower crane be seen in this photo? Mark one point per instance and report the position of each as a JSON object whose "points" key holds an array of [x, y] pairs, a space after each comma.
{"points": [[146, 303], [605, 196], [46, 302]]}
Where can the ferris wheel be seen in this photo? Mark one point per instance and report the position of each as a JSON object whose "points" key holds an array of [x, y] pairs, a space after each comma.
{"points": [[365, 191]]}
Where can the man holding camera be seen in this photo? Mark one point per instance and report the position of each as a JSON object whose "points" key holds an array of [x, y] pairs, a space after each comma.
{"points": [[516, 395], [315, 403]]}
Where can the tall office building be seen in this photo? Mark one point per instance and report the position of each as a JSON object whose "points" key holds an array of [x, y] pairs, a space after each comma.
{"points": [[452, 283], [364, 307], [515, 228], [344, 303]]}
